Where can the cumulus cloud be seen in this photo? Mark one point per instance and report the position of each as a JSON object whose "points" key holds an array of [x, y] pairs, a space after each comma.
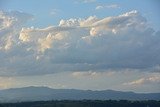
{"points": [[10, 25], [125, 41], [42, 39]]}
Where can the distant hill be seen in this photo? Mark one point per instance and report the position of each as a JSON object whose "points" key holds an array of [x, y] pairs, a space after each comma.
{"points": [[45, 93]]}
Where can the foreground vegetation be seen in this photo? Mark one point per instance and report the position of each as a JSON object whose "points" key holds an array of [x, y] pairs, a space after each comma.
{"points": [[85, 103]]}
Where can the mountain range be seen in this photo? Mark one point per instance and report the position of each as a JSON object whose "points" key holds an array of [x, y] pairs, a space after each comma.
{"points": [[33, 93]]}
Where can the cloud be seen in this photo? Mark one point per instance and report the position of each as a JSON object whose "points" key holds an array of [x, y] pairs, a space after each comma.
{"points": [[79, 74], [121, 42], [112, 6], [92, 74], [88, 1], [42, 39], [85, 1], [145, 80], [99, 7], [6, 82], [54, 12], [10, 24]]}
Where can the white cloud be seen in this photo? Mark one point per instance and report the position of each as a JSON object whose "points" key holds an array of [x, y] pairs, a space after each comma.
{"points": [[89, 1], [10, 24], [80, 74], [92, 44], [112, 6], [42, 39], [99, 7], [89, 21], [45, 43], [7, 43], [145, 80], [85, 1], [92, 74], [54, 12], [122, 24], [136, 82], [70, 22]]}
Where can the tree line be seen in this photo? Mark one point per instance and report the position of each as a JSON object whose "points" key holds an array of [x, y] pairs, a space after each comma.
{"points": [[84, 103]]}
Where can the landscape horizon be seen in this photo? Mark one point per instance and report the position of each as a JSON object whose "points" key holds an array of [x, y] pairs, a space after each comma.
{"points": [[28, 97], [73, 89], [79, 53], [32, 93]]}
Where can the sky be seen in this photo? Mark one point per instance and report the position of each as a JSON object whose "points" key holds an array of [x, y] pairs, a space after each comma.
{"points": [[80, 44]]}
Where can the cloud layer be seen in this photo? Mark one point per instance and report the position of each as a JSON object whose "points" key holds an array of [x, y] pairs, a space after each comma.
{"points": [[120, 42]]}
